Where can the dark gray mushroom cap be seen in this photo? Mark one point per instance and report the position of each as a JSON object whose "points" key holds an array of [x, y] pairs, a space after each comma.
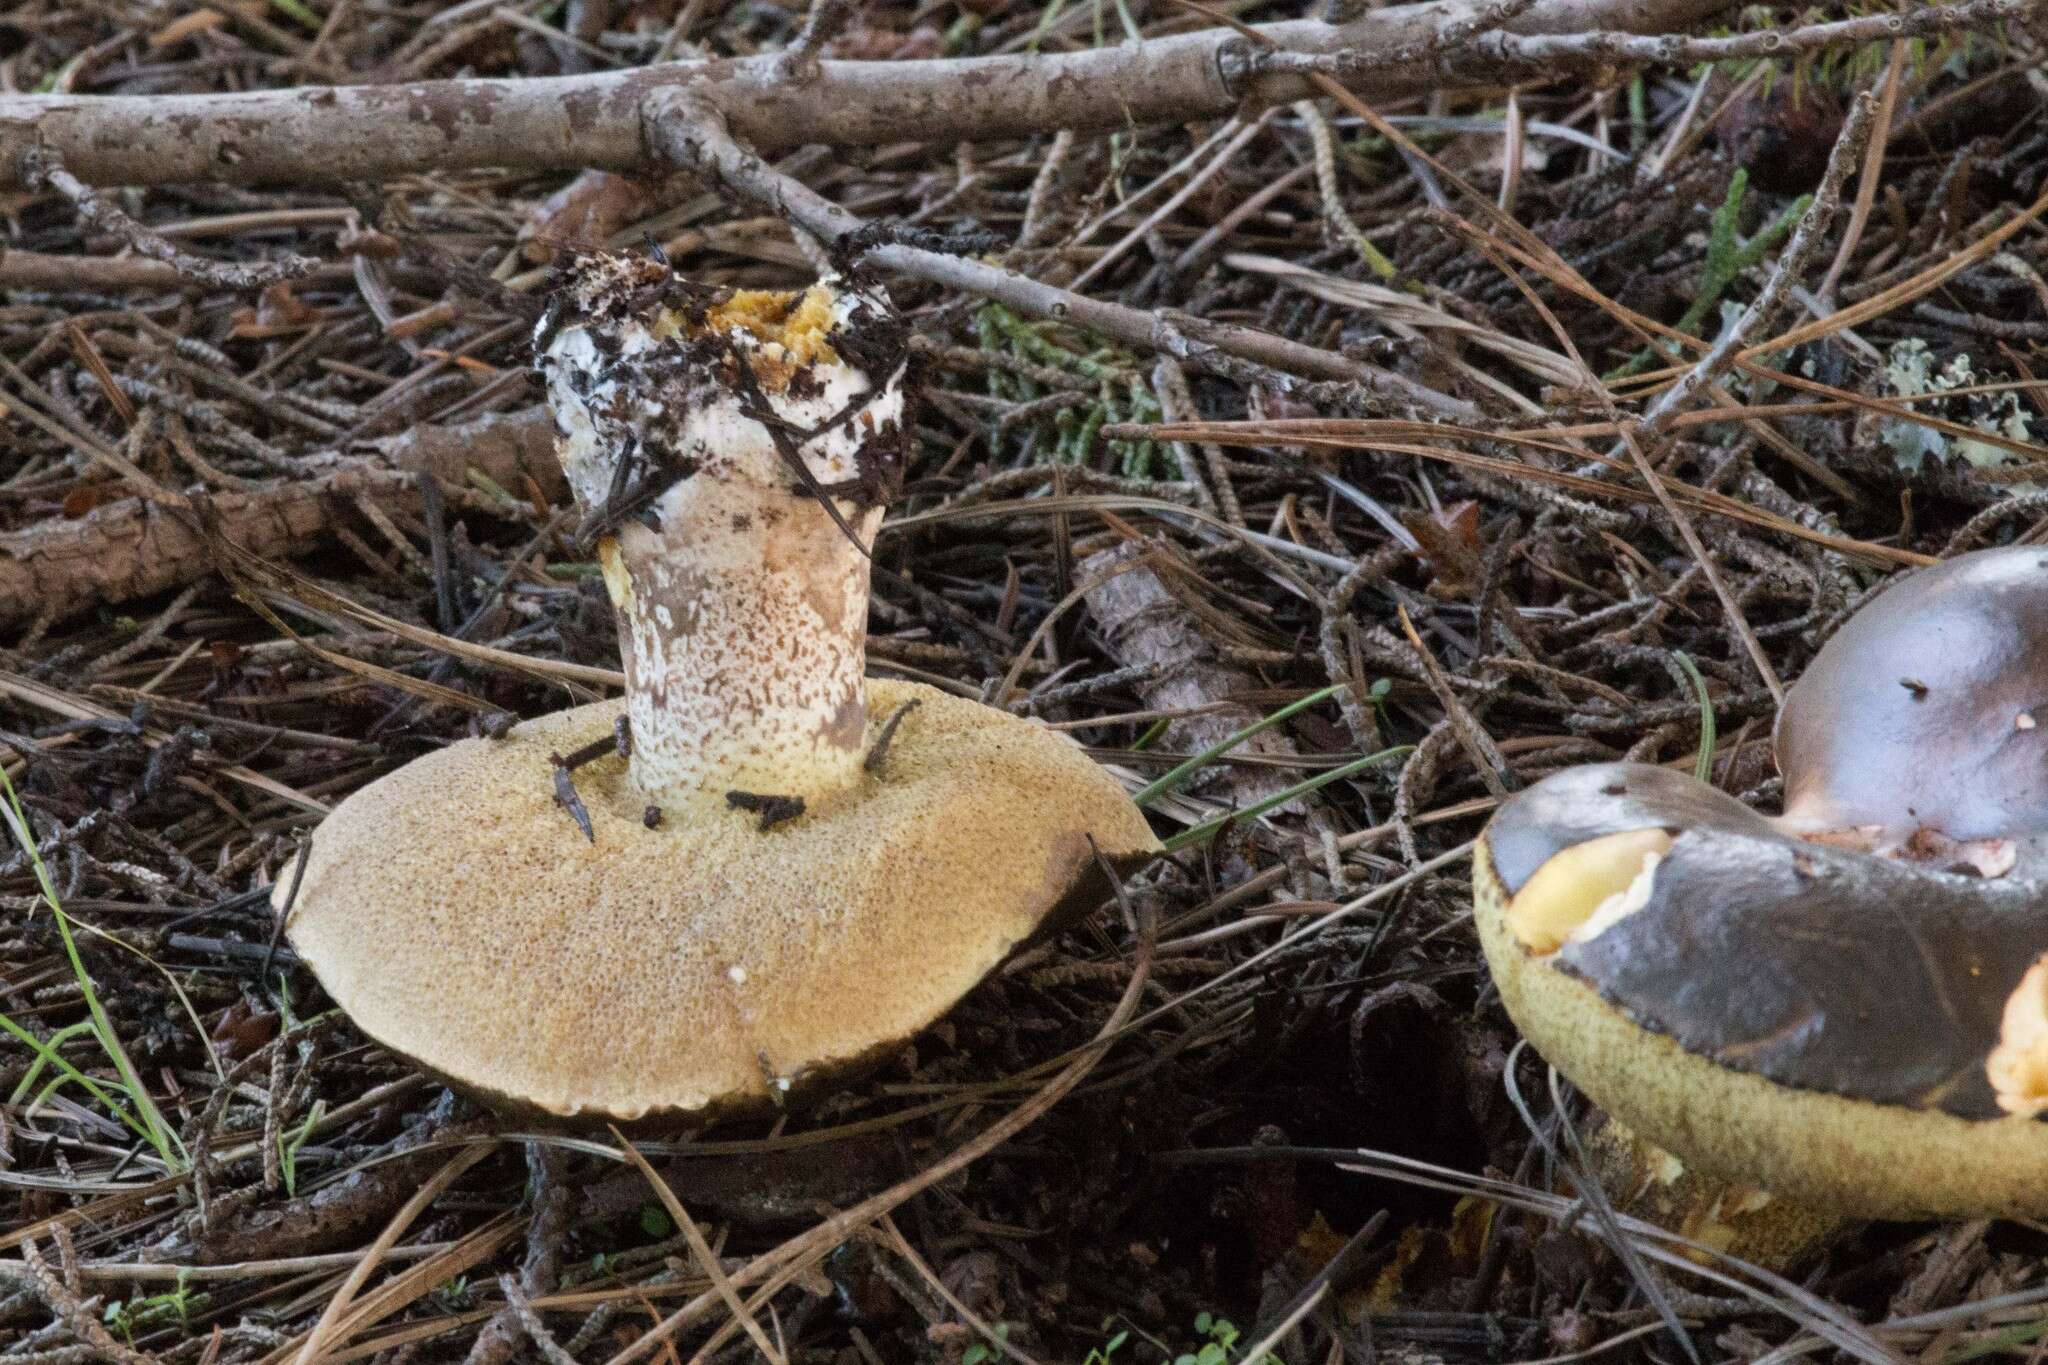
{"points": [[1930, 706], [1818, 968]]}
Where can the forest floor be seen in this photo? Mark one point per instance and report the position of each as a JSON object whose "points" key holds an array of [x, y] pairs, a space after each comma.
{"points": [[223, 1173]]}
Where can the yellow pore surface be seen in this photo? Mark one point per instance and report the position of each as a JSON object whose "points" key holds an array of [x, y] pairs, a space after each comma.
{"points": [[799, 323]]}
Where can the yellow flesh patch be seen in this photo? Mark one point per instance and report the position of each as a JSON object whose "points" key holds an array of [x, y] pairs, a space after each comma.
{"points": [[618, 584], [799, 324], [793, 329], [1567, 890], [2018, 1066]]}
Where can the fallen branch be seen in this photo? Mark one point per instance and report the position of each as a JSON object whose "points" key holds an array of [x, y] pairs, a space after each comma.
{"points": [[366, 133], [1507, 53]]}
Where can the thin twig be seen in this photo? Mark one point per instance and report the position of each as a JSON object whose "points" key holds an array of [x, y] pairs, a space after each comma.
{"points": [[694, 134], [1806, 238], [878, 752], [1873, 170], [824, 19], [74, 1312]]}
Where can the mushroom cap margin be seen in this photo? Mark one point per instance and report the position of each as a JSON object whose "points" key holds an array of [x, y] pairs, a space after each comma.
{"points": [[1733, 1218], [458, 915]]}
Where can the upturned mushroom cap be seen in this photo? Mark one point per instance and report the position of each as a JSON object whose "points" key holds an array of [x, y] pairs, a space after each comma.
{"points": [[1865, 1036], [462, 919], [1731, 1217], [1929, 707]]}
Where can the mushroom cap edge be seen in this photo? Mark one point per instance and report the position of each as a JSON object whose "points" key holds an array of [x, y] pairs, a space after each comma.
{"points": [[652, 938]]}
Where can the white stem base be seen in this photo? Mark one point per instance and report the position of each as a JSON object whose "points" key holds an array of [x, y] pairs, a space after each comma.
{"points": [[743, 627]]}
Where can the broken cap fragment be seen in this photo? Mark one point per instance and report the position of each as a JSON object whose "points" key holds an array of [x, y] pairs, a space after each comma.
{"points": [[1818, 1022], [699, 963]]}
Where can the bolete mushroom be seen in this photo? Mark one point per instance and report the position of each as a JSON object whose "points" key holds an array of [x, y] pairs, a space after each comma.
{"points": [[762, 897], [1846, 1006]]}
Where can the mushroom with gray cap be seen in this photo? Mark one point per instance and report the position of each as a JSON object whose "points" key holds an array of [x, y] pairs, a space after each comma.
{"points": [[762, 898], [1847, 1005]]}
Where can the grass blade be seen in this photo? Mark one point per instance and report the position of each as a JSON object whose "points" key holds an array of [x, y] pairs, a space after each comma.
{"points": [[1173, 777], [152, 1126], [1703, 765], [1196, 834]]}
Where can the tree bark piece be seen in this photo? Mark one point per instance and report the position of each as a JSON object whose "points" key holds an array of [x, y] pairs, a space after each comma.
{"points": [[136, 548], [1145, 625], [344, 133]]}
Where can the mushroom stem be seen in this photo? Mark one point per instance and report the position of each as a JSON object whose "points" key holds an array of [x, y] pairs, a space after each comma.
{"points": [[684, 417], [743, 630]]}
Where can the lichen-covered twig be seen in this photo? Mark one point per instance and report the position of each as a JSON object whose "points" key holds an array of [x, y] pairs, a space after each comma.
{"points": [[1523, 55], [76, 1313], [42, 169], [548, 1228]]}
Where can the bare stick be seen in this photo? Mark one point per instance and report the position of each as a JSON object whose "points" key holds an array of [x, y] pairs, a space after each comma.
{"points": [[799, 61], [358, 133], [1449, 36]]}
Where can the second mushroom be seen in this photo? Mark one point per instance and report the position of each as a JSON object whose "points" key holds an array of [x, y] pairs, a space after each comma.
{"points": [[1845, 1006]]}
